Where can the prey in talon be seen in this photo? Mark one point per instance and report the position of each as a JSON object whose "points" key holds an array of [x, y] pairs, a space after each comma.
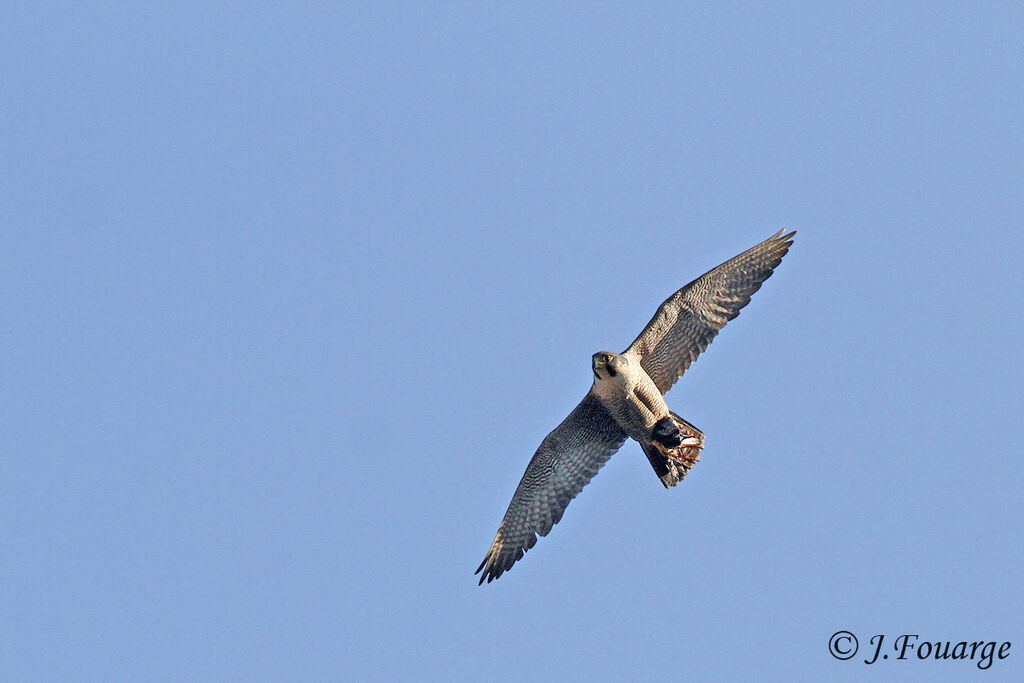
{"points": [[678, 439]]}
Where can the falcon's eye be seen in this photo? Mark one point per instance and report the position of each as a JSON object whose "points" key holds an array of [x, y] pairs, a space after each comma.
{"points": [[606, 359]]}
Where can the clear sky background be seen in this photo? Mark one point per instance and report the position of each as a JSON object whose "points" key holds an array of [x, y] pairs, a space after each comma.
{"points": [[291, 293]]}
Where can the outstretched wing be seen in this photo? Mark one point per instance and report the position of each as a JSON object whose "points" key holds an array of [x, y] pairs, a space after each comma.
{"points": [[567, 459], [689, 319]]}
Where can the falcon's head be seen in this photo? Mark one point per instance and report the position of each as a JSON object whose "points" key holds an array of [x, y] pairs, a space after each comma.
{"points": [[607, 364]]}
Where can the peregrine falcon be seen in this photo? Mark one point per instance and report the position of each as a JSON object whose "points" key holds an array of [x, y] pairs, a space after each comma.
{"points": [[627, 400]]}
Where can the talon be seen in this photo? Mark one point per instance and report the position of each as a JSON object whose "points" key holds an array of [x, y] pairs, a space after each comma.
{"points": [[689, 456]]}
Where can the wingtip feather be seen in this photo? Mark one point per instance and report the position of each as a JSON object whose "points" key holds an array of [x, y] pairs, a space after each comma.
{"points": [[787, 238]]}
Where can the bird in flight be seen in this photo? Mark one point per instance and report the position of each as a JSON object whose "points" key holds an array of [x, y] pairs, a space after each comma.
{"points": [[627, 400]]}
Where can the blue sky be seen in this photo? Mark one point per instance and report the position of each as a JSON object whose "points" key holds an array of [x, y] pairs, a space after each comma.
{"points": [[292, 293]]}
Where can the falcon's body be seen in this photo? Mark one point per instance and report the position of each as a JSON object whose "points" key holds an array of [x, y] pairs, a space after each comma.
{"points": [[628, 392], [627, 400], [635, 403]]}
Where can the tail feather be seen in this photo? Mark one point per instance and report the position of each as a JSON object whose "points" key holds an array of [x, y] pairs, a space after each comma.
{"points": [[674, 449]]}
